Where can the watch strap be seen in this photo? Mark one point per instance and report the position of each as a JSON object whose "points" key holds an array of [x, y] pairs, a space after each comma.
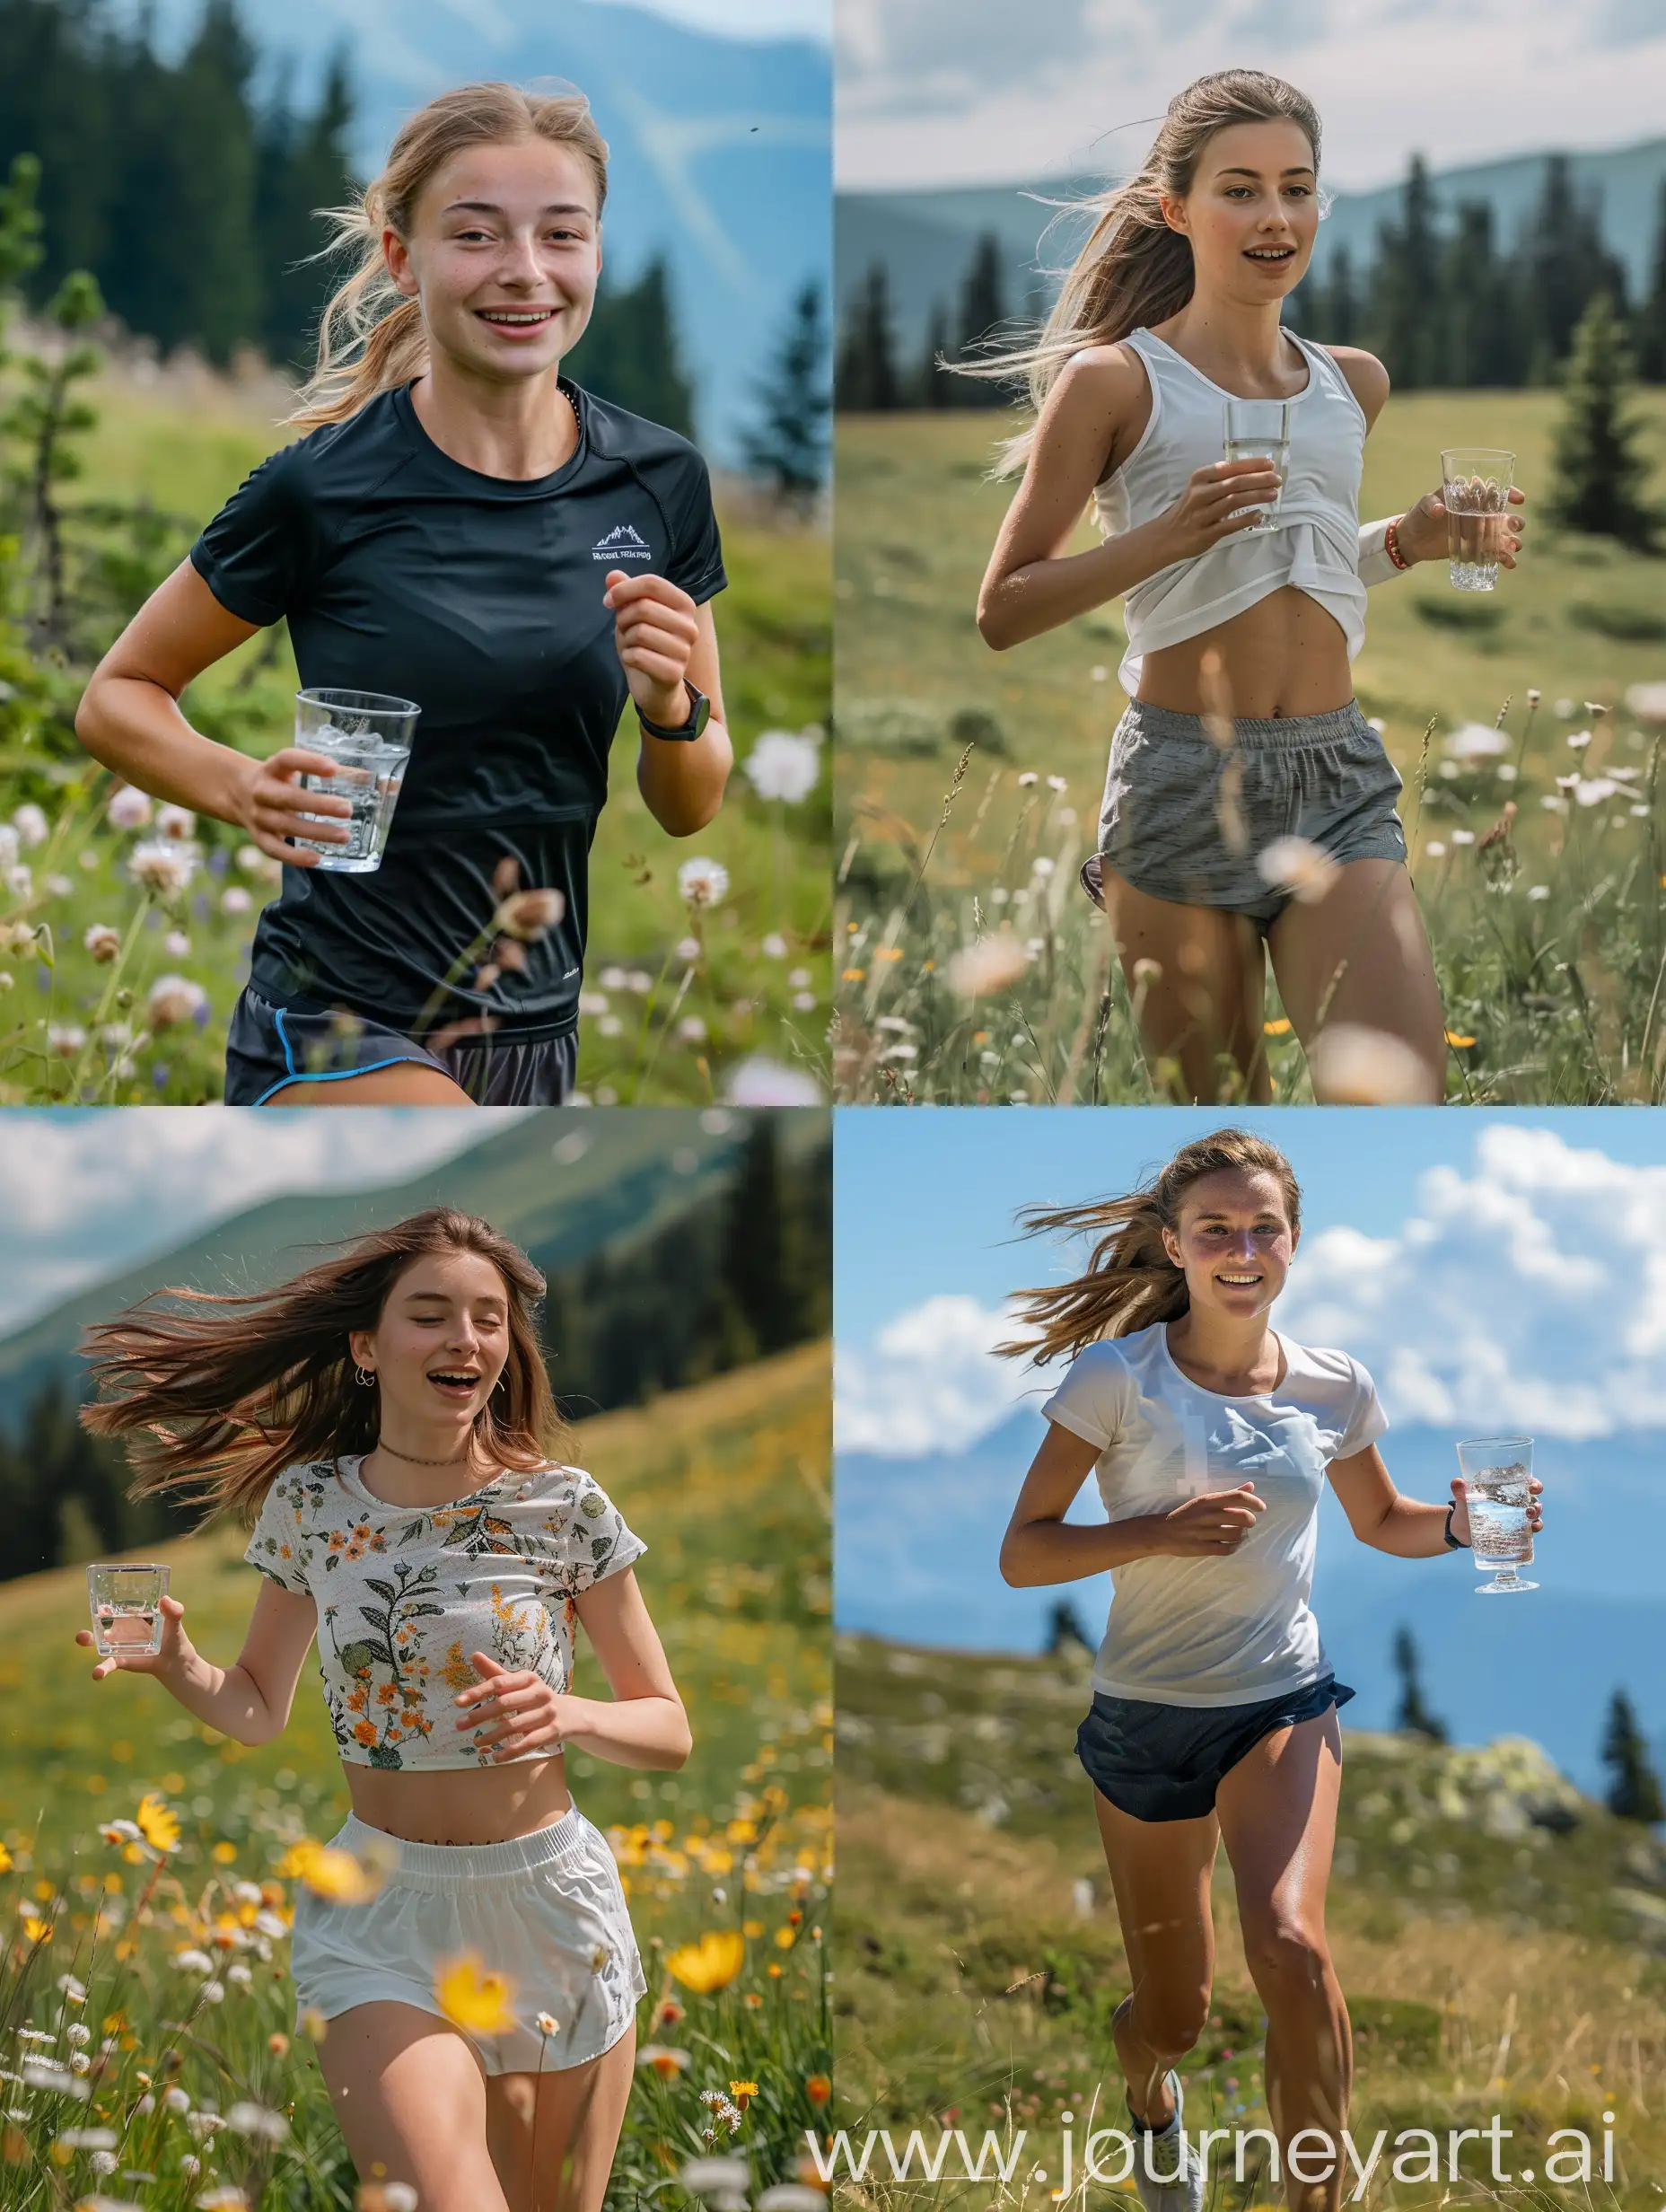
{"points": [[1453, 1543], [699, 712]]}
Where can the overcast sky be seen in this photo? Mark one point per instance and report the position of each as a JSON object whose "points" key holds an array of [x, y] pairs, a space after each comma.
{"points": [[984, 91], [751, 19]]}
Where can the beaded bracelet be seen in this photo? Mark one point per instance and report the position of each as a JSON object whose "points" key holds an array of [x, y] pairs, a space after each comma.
{"points": [[1391, 543]]}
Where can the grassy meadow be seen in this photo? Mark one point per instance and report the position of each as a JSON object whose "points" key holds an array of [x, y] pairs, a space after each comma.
{"points": [[675, 996], [1550, 943], [728, 1483], [1500, 1942]]}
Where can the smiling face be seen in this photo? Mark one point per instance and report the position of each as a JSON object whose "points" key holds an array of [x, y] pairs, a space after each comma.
{"points": [[505, 253], [1252, 212], [439, 1348], [1234, 1241]]}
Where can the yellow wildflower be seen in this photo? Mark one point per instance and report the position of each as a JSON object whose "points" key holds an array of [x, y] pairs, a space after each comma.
{"points": [[471, 1997], [159, 1826], [711, 1964]]}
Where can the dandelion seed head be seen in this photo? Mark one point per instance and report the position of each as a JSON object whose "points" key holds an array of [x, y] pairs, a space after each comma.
{"points": [[702, 883], [164, 865], [175, 822], [129, 808], [783, 765]]}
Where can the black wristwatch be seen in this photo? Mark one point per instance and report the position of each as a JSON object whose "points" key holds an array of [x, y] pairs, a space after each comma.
{"points": [[699, 714], [1452, 1542]]}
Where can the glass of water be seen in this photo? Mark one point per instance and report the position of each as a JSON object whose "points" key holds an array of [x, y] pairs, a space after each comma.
{"points": [[1259, 430], [1498, 1472], [368, 735], [126, 1603], [1475, 491]]}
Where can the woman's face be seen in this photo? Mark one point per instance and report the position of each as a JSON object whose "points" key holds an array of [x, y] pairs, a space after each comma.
{"points": [[505, 254], [1252, 212], [1234, 1241], [440, 1344]]}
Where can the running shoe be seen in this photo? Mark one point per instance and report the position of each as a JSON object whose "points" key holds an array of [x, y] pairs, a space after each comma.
{"points": [[1172, 2156]]}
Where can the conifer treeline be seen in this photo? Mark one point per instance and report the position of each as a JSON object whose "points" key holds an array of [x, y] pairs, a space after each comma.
{"points": [[1444, 305], [190, 202], [743, 1271]]}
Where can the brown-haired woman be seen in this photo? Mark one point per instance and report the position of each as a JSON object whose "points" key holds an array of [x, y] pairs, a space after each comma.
{"points": [[1249, 804], [465, 528], [384, 1421], [1214, 1708]]}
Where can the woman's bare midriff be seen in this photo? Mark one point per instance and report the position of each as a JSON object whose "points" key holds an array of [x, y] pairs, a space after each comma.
{"points": [[461, 1805], [1285, 655]]}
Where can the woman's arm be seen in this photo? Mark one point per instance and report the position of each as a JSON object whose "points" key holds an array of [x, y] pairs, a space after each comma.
{"points": [[1040, 1547], [1087, 426], [1404, 1526], [129, 718], [662, 637], [642, 1724], [249, 1701]]}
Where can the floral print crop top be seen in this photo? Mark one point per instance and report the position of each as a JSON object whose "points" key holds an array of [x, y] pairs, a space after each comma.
{"points": [[406, 1594]]}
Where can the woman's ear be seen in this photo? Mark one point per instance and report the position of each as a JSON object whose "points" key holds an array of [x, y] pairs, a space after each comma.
{"points": [[396, 253], [1173, 212], [1172, 1245], [360, 1344]]}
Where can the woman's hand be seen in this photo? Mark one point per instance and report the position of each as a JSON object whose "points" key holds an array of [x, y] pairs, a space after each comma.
{"points": [[1422, 533], [272, 807], [169, 1661], [1460, 1509], [516, 1711], [1216, 1522], [1204, 514], [655, 629]]}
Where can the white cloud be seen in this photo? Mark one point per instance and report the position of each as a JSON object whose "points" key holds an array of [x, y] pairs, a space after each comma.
{"points": [[1528, 1293], [963, 91], [931, 1381]]}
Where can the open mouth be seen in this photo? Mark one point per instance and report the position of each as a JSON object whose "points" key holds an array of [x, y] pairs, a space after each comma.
{"points": [[1274, 256], [1240, 1282], [517, 322], [456, 1383]]}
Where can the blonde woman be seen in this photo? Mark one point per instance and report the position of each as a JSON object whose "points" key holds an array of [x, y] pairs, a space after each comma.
{"points": [[385, 1422], [464, 527], [1211, 1436], [1277, 836]]}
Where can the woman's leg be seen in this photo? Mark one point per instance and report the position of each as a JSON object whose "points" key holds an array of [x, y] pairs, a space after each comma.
{"points": [[1360, 955], [408, 1083], [1160, 1871], [1277, 1810], [410, 2097], [1205, 1005], [553, 2136]]}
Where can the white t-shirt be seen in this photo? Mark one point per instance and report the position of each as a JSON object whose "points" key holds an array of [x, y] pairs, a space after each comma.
{"points": [[1233, 1627]]}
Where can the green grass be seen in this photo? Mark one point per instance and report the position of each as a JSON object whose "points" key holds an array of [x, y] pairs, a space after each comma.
{"points": [[1549, 949], [666, 1026], [728, 1482], [1489, 1963]]}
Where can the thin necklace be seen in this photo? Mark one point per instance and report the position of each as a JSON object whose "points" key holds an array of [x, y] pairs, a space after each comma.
{"points": [[417, 1461]]}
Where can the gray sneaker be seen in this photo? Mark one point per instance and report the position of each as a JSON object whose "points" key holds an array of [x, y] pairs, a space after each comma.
{"points": [[1169, 2153]]}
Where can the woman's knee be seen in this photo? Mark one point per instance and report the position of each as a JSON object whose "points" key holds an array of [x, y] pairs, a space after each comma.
{"points": [[1286, 1957], [1170, 2020]]}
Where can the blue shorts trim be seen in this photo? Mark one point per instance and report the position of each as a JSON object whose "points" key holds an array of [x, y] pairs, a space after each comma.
{"points": [[337, 1074], [270, 1047]]}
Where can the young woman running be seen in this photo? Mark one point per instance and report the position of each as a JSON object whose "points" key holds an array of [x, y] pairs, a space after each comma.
{"points": [[1172, 306], [385, 1421], [1211, 1436], [465, 528]]}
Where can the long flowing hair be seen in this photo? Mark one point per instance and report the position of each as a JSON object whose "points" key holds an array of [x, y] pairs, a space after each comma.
{"points": [[1133, 270], [371, 337], [219, 1394], [1130, 1282]]}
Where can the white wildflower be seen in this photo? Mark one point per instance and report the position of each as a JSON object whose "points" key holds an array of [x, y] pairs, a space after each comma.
{"points": [[75, 1991], [164, 865], [758, 1081], [1056, 782], [784, 765], [257, 2120], [177, 945], [691, 1029], [175, 822], [1029, 776], [1473, 741], [703, 2176], [1647, 701], [59, 2080], [31, 823], [78, 2033], [102, 942], [687, 949], [992, 964], [1463, 837], [1580, 740], [20, 880], [129, 808], [89, 2138], [702, 883], [66, 1037], [174, 999], [1297, 865], [175, 2100], [1598, 788], [240, 1974], [235, 901], [1434, 849], [193, 1962], [773, 946]]}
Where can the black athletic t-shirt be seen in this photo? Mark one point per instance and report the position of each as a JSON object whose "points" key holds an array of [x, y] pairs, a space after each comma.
{"points": [[478, 597]]}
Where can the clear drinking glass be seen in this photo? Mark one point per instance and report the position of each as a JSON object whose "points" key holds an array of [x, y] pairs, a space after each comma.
{"points": [[1259, 430], [126, 1604], [1475, 490], [369, 735], [1496, 1473]]}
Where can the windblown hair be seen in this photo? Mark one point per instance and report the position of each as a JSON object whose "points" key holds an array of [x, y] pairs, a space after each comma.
{"points": [[1131, 1283], [218, 1396], [371, 337], [1133, 270]]}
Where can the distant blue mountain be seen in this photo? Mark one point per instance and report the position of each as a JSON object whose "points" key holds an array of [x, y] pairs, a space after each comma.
{"points": [[916, 1544], [722, 148], [925, 238]]}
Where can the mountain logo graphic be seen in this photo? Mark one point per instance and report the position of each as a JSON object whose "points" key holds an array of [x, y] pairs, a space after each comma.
{"points": [[621, 544]]}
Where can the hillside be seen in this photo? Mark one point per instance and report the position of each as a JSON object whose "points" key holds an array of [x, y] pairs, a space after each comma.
{"points": [[1502, 1941]]}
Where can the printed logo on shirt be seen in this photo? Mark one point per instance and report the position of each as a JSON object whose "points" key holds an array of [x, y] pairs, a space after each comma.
{"points": [[621, 544]]}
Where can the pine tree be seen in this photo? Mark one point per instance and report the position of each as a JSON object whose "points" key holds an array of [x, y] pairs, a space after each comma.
{"points": [[1650, 320], [303, 165], [983, 310], [1413, 1712], [867, 382], [790, 446], [1565, 264], [1406, 324], [1063, 1629], [629, 353], [936, 386], [210, 255], [1599, 473], [1635, 1791], [1342, 307], [1483, 342]]}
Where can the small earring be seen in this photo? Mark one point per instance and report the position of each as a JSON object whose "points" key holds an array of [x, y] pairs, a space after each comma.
{"points": [[366, 1377]]}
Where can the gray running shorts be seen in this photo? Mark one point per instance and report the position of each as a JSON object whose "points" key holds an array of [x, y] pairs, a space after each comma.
{"points": [[1324, 777]]}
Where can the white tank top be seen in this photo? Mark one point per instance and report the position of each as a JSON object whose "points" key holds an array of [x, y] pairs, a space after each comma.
{"points": [[1314, 544]]}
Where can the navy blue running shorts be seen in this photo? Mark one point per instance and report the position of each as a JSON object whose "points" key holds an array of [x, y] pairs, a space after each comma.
{"points": [[1164, 1762], [270, 1047]]}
